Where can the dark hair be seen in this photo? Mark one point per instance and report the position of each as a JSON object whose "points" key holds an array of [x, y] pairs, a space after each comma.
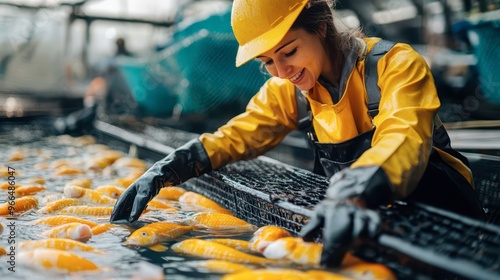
{"points": [[319, 13]]}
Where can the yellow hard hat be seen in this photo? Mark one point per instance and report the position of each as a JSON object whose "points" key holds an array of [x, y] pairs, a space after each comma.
{"points": [[259, 25]]}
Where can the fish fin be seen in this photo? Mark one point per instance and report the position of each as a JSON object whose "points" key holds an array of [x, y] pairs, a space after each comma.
{"points": [[158, 248]]}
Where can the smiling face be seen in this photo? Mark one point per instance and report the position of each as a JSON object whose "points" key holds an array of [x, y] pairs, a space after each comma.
{"points": [[300, 57]]}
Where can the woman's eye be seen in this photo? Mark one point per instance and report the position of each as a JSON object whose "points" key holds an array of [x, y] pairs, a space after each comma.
{"points": [[267, 63], [291, 53]]}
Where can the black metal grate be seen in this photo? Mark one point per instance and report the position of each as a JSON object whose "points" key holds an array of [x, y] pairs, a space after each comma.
{"points": [[417, 241], [486, 170]]}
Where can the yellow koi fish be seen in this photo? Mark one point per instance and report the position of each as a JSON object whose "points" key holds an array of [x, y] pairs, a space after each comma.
{"points": [[36, 180], [219, 221], [104, 159], [283, 274], [295, 250], [6, 186], [28, 190], [1, 228], [68, 170], [171, 193], [52, 197], [57, 205], [110, 191], [266, 235], [238, 244], [130, 178], [191, 201], [85, 183], [102, 228], [6, 172], [84, 210], [62, 219], [152, 234], [58, 243], [369, 271], [16, 155], [53, 259], [2, 252], [18, 205], [75, 231], [219, 266], [130, 162], [88, 195], [159, 205], [214, 250]]}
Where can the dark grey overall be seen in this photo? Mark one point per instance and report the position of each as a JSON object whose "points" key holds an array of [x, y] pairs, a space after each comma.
{"points": [[441, 185]]}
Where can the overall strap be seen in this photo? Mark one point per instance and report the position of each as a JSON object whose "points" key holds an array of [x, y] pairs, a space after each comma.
{"points": [[304, 115], [371, 74]]}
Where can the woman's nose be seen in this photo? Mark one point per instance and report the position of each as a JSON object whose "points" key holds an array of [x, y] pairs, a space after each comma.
{"points": [[283, 70]]}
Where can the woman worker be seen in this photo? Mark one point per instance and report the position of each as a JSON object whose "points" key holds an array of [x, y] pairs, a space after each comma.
{"points": [[372, 111]]}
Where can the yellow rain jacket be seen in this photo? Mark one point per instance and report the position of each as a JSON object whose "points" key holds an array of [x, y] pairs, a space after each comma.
{"points": [[401, 144]]}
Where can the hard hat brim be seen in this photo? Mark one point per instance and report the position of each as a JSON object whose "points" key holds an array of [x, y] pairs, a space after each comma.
{"points": [[268, 40]]}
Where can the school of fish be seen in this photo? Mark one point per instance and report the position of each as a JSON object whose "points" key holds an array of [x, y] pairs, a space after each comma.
{"points": [[69, 208]]}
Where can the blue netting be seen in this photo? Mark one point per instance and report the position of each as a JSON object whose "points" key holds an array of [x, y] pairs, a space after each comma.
{"points": [[195, 71], [486, 39]]}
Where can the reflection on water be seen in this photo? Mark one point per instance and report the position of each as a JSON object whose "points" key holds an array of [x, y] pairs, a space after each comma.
{"points": [[121, 262]]}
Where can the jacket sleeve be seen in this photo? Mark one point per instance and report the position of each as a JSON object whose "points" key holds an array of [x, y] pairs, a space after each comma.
{"points": [[409, 102], [269, 117]]}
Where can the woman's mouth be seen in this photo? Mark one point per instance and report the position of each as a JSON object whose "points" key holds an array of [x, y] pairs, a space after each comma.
{"points": [[296, 78]]}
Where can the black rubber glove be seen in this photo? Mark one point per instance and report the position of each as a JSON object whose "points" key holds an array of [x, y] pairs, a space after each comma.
{"points": [[190, 160], [76, 122], [339, 220]]}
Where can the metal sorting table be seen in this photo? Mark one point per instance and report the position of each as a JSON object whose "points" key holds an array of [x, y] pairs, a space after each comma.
{"points": [[416, 242]]}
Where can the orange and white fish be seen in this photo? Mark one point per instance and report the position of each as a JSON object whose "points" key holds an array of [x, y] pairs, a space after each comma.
{"points": [[266, 235], [57, 205], [6, 186], [84, 210], [75, 231], [327, 275], [6, 172], [16, 155], [219, 221], [85, 183], [155, 233], [18, 205], [171, 193], [2, 252], [104, 159], [213, 250], [48, 198], [220, 266], [29, 190], [53, 259], [1, 228], [88, 195], [160, 205], [130, 178], [283, 274], [110, 190], [36, 180], [58, 243], [238, 244], [102, 228], [130, 162], [295, 250], [369, 271], [191, 201], [68, 170], [62, 219]]}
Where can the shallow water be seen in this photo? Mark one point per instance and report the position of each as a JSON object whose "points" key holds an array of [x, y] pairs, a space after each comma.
{"points": [[121, 262]]}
